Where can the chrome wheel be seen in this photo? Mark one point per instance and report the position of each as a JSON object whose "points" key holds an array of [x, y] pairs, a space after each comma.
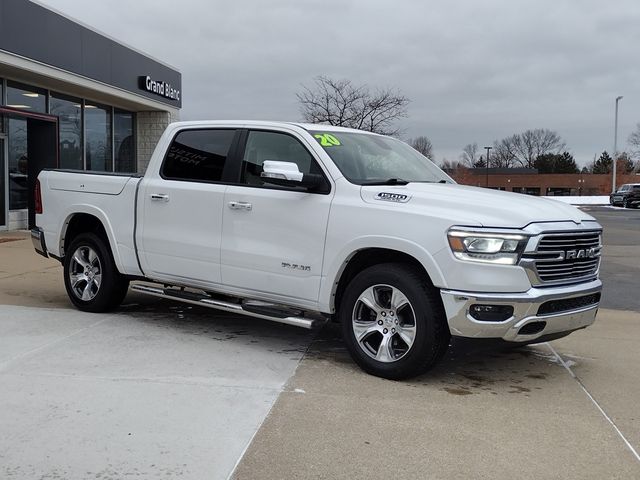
{"points": [[384, 323], [85, 273]]}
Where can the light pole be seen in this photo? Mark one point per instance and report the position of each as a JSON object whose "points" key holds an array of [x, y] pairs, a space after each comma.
{"points": [[615, 147], [487, 162]]}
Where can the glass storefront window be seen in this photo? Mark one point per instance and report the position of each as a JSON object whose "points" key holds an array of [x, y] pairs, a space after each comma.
{"points": [[91, 136], [123, 142], [3, 219], [2, 125], [69, 113], [18, 189], [97, 128], [25, 97]]}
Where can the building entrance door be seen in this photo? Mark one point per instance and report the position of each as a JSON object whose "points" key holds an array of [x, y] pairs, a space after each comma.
{"points": [[32, 144], [3, 183]]}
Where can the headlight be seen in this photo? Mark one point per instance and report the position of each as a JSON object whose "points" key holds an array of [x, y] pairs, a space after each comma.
{"points": [[489, 247]]}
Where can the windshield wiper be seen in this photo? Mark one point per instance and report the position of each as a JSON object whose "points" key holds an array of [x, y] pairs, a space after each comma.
{"points": [[388, 181]]}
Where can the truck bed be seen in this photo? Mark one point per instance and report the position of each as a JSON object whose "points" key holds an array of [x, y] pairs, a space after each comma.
{"points": [[111, 197]]}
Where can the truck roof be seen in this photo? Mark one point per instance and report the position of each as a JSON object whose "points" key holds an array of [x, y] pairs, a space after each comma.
{"points": [[268, 123]]}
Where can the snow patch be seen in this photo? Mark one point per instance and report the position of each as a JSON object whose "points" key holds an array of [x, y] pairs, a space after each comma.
{"points": [[586, 200]]}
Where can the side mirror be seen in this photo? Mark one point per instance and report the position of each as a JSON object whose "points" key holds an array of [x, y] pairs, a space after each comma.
{"points": [[287, 174], [281, 170]]}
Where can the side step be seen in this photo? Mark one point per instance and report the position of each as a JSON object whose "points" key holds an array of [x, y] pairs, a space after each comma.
{"points": [[253, 308]]}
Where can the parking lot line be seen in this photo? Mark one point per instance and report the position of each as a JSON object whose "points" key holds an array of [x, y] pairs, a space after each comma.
{"points": [[7, 363], [594, 401]]}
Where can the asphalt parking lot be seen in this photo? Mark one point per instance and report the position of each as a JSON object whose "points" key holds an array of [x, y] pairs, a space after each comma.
{"points": [[162, 390], [620, 271]]}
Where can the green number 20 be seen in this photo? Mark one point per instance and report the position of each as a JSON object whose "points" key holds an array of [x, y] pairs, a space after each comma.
{"points": [[327, 140]]}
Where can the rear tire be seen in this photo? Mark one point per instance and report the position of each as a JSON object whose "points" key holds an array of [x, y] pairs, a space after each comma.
{"points": [[91, 278], [393, 322]]}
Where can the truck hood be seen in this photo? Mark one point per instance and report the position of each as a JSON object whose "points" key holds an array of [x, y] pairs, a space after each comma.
{"points": [[466, 205]]}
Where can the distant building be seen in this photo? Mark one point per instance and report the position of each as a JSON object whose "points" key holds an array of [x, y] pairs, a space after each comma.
{"points": [[528, 181]]}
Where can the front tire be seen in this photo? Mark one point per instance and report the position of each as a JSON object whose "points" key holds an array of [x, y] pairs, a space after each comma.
{"points": [[91, 278], [625, 204], [393, 322]]}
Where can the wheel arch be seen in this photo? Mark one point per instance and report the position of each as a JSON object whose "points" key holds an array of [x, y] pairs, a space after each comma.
{"points": [[360, 258], [88, 220]]}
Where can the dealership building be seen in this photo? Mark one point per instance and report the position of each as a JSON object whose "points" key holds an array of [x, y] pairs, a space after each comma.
{"points": [[71, 97]]}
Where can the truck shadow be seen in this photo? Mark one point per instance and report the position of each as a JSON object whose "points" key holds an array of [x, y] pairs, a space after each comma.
{"points": [[469, 367], [183, 320]]}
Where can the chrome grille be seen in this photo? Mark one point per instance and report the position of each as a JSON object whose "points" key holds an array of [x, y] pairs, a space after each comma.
{"points": [[567, 257]]}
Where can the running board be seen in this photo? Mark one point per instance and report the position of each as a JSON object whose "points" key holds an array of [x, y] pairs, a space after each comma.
{"points": [[252, 308]]}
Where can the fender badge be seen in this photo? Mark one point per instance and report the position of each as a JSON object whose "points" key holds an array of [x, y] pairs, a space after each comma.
{"points": [[393, 197]]}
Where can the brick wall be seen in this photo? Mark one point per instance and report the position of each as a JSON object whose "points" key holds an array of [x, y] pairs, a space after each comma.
{"points": [[576, 184], [149, 127]]}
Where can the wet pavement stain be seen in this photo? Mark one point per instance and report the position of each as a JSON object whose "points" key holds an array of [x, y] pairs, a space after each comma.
{"points": [[467, 368], [458, 391], [189, 322], [478, 379], [7, 240]]}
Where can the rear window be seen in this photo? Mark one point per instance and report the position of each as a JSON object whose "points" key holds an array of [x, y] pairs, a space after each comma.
{"points": [[198, 155]]}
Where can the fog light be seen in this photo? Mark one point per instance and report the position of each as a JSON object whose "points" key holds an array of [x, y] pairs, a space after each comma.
{"points": [[491, 313]]}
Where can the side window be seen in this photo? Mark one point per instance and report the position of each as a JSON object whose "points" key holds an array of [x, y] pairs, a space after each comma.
{"points": [[281, 147], [198, 155]]}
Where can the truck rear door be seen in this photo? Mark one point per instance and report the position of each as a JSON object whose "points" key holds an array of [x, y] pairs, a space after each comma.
{"points": [[180, 224]]}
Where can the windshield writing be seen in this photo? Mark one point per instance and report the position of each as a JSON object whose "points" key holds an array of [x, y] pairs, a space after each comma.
{"points": [[368, 159]]}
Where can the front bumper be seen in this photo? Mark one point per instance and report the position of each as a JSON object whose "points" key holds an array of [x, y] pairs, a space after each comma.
{"points": [[37, 237], [567, 315]]}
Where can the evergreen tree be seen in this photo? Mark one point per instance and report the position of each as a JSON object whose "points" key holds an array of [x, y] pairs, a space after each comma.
{"points": [[604, 164], [556, 163], [565, 163], [545, 163]]}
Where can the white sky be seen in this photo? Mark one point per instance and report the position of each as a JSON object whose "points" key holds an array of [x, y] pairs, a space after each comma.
{"points": [[475, 71]]}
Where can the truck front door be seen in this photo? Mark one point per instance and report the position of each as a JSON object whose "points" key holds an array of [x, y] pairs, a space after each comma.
{"points": [[273, 237]]}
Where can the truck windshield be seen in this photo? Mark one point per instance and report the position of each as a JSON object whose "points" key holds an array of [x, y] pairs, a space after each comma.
{"points": [[366, 159]]}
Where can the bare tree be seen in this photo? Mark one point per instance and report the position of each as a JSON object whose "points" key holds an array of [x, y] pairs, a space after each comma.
{"points": [[450, 165], [530, 144], [524, 148], [469, 155], [340, 102], [423, 145], [624, 163], [634, 142], [502, 155]]}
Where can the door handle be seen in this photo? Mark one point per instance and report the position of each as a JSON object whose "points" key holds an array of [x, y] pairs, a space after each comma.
{"points": [[240, 206], [159, 197]]}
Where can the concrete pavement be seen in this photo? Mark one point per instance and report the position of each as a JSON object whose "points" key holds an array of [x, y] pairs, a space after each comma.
{"points": [[150, 391], [482, 413]]}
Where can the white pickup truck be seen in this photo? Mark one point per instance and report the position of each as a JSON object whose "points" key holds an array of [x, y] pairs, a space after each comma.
{"points": [[303, 223]]}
